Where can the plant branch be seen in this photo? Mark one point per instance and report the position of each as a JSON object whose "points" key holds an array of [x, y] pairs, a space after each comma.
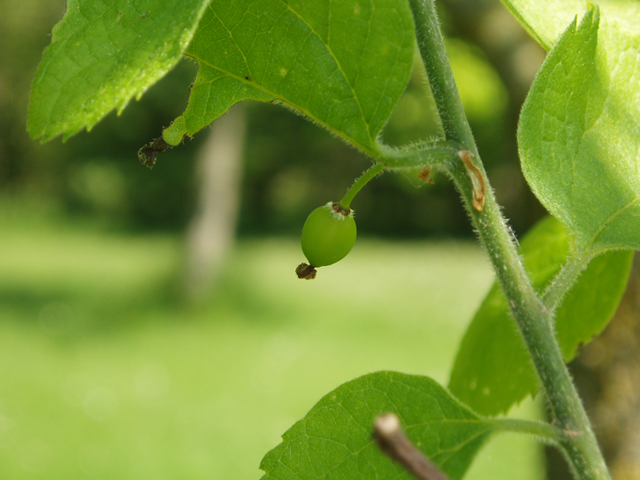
{"points": [[443, 86], [531, 315], [429, 155], [393, 442], [437, 155]]}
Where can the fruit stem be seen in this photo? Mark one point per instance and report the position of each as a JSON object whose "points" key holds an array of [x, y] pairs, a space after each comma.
{"points": [[360, 182]]}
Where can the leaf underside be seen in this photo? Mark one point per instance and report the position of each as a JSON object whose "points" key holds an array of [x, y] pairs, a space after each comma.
{"points": [[579, 132], [103, 54], [492, 370], [343, 64], [334, 439]]}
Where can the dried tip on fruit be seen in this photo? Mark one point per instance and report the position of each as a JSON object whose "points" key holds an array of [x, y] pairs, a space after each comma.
{"points": [[306, 271], [336, 207]]}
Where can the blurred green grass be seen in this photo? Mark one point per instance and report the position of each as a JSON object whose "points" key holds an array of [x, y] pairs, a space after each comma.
{"points": [[105, 373]]}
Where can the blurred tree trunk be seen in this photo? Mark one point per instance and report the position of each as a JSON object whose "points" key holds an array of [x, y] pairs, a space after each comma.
{"points": [[211, 232]]}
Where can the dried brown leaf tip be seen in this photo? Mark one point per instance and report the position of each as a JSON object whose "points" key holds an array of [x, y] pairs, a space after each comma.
{"points": [[425, 175], [148, 154], [477, 179], [306, 271]]}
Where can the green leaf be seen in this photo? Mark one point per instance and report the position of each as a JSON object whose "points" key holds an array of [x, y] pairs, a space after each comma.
{"points": [[492, 370], [547, 19], [334, 439], [579, 133], [592, 301], [343, 64], [102, 54]]}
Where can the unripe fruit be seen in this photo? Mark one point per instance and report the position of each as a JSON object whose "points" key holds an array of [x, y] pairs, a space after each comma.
{"points": [[328, 236]]}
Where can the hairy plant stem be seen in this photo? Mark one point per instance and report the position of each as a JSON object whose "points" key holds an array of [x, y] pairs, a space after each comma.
{"points": [[564, 280], [532, 316], [436, 155], [361, 181], [541, 430]]}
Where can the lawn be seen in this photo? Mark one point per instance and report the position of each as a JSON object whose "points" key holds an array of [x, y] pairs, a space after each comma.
{"points": [[106, 374]]}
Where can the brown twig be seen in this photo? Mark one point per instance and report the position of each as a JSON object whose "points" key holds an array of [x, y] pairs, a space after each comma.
{"points": [[394, 443]]}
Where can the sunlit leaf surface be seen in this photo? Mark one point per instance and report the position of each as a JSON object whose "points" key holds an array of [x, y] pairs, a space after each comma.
{"points": [[579, 133], [344, 64], [103, 54]]}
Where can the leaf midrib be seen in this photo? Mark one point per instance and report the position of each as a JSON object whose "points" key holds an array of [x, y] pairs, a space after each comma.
{"points": [[344, 75]]}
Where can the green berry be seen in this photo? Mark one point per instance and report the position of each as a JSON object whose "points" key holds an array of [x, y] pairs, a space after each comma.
{"points": [[328, 235]]}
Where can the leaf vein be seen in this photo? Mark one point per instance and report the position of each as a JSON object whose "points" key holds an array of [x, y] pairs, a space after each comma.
{"points": [[246, 63], [351, 86], [612, 217]]}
